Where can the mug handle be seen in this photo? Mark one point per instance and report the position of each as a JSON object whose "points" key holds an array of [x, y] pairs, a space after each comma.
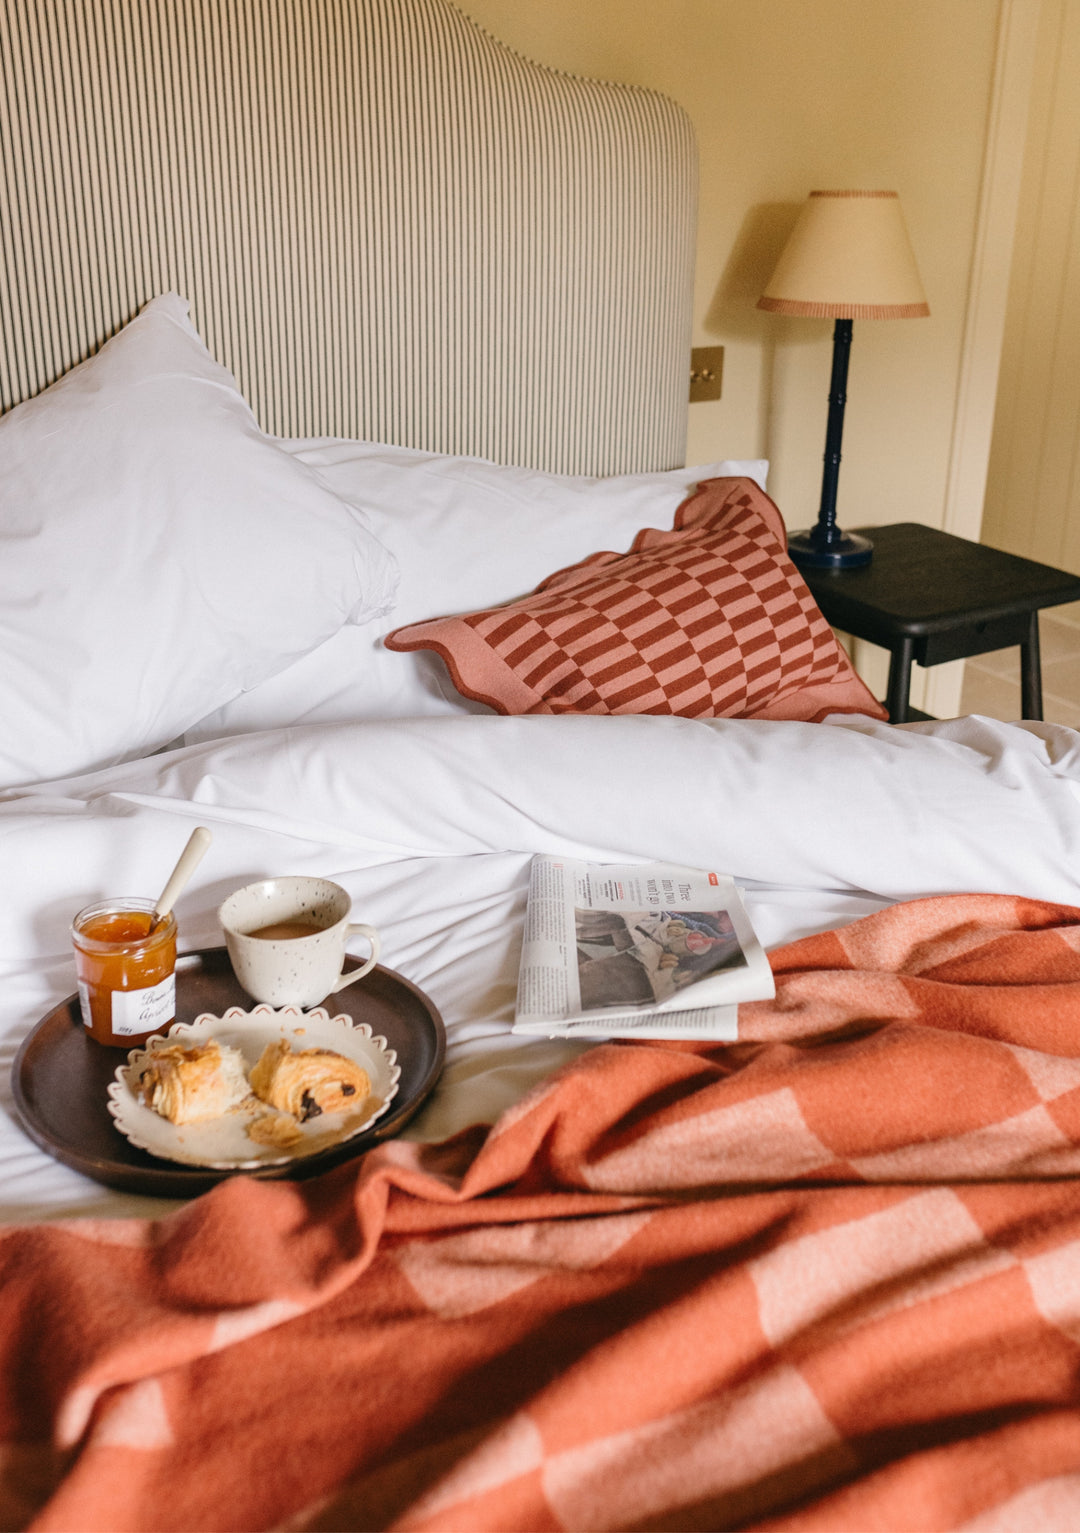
{"points": [[351, 975]]}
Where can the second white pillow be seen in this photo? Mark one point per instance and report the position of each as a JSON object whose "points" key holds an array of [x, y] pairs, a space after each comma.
{"points": [[466, 533]]}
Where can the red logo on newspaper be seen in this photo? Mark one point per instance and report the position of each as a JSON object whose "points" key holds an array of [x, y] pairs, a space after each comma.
{"points": [[713, 878]]}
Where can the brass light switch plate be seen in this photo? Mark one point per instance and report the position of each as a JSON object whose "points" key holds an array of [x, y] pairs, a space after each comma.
{"points": [[706, 373]]}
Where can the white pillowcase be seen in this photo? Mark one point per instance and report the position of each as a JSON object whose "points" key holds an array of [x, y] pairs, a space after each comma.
{"points": [[158, 553], [466, 534]]}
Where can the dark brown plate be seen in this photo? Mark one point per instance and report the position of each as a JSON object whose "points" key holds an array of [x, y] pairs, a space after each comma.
{"points": [[61, 1077]]}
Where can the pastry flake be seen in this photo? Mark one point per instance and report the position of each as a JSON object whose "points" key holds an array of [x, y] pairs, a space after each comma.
{"points": [[277, 1129]]}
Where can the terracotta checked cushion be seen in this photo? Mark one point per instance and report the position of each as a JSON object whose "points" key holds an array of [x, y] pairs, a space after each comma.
{"points": [[708, 620]]}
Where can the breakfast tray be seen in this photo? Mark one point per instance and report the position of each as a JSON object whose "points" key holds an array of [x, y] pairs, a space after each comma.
{"points": [[60, 1077]]}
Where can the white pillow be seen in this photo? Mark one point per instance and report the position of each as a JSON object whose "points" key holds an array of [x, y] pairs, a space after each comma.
{"points": [[466, 534], [158, 553]]}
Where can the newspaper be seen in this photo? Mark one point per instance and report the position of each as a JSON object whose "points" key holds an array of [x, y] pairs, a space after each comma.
{"points": [[645, 950]]}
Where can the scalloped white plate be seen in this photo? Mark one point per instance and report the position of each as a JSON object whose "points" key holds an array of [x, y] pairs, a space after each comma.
{"points": [[223, 1143]]}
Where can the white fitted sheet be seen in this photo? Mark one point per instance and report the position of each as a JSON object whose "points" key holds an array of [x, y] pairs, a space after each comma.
{"points": [[431, 825]]}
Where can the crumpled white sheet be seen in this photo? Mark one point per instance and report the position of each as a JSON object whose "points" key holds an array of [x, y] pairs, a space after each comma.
{"points": [[431, 825]]}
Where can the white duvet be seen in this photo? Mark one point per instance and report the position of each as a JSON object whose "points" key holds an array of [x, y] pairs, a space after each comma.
{"points": [[431, 824]]}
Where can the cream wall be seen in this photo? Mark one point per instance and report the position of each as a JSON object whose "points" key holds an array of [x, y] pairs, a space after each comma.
{"points": [[785, 96]]}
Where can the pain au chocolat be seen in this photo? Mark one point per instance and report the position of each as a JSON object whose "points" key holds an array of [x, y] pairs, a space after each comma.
{"points": [[309, 1082]]}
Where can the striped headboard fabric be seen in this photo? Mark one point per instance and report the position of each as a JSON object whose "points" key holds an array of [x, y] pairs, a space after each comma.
{"points": [[389, 225]]}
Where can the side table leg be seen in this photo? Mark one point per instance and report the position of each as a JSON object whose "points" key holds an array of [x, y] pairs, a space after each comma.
{"points": [[1031, 705], [897, 697]]}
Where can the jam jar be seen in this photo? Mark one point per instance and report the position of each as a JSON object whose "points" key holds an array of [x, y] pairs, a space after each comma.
{"points": [[126, 970]]}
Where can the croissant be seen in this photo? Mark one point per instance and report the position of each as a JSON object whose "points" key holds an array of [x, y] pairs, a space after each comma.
{"points": [[186, 1085], [309, 1082]]}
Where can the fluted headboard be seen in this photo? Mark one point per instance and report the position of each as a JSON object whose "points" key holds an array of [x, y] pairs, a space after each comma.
{"points": [[389, 225]]}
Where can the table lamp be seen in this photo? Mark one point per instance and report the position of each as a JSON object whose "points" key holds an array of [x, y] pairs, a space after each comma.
{"points": [[848, 257]]}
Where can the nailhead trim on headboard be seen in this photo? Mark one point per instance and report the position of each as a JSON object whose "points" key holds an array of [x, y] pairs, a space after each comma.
{"points": [[389, 225]]}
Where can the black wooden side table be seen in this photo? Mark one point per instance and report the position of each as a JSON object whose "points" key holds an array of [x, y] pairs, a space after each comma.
{"points": [[930, 596]]}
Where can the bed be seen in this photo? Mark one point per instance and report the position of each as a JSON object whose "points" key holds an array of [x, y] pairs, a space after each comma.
{"points": [[341, 343]]}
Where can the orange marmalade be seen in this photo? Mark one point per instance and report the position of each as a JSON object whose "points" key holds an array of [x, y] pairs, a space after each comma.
{"points": [[127, 985]]}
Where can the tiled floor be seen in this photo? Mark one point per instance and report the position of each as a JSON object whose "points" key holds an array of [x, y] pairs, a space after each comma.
{"points": [[992, 682]]}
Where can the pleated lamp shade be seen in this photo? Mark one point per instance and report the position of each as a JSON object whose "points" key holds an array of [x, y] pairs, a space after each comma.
{"points": [[848, 257]]}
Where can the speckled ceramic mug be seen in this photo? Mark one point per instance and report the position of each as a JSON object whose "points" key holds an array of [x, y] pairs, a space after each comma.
{"points": [[286, 939]]}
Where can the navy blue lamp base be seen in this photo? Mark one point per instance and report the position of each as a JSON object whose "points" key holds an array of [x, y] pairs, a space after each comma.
{"points": [[843, 551], [825, 547]]}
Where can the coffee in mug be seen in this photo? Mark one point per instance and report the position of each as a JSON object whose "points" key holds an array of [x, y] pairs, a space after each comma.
{"points": [[281, 931], [287, 936]]}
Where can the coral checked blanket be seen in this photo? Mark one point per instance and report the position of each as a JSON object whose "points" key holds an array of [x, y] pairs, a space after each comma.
{"points": [[827, 1277]]}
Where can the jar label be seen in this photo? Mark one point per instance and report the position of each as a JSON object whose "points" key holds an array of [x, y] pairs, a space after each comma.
{"points": [[84, 1004], [143, 1011]]}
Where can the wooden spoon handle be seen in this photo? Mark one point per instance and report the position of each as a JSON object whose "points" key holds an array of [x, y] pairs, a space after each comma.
{"points": [[190, 858]]}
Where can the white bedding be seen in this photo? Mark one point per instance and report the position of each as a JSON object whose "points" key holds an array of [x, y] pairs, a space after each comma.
{"points": [[431, 824]]}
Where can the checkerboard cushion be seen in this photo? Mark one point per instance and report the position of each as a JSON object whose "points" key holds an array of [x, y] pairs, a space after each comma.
{"points": [[708, 620]]}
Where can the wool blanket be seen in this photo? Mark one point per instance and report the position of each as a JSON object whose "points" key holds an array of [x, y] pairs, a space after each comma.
{"points": [[827, 1277]]}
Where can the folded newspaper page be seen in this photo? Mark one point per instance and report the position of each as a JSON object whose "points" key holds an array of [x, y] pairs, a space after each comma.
{"points": [[645, 950]]}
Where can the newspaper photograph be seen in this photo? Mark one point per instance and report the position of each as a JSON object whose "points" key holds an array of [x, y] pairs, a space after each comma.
{"points": [[637, 950]]}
